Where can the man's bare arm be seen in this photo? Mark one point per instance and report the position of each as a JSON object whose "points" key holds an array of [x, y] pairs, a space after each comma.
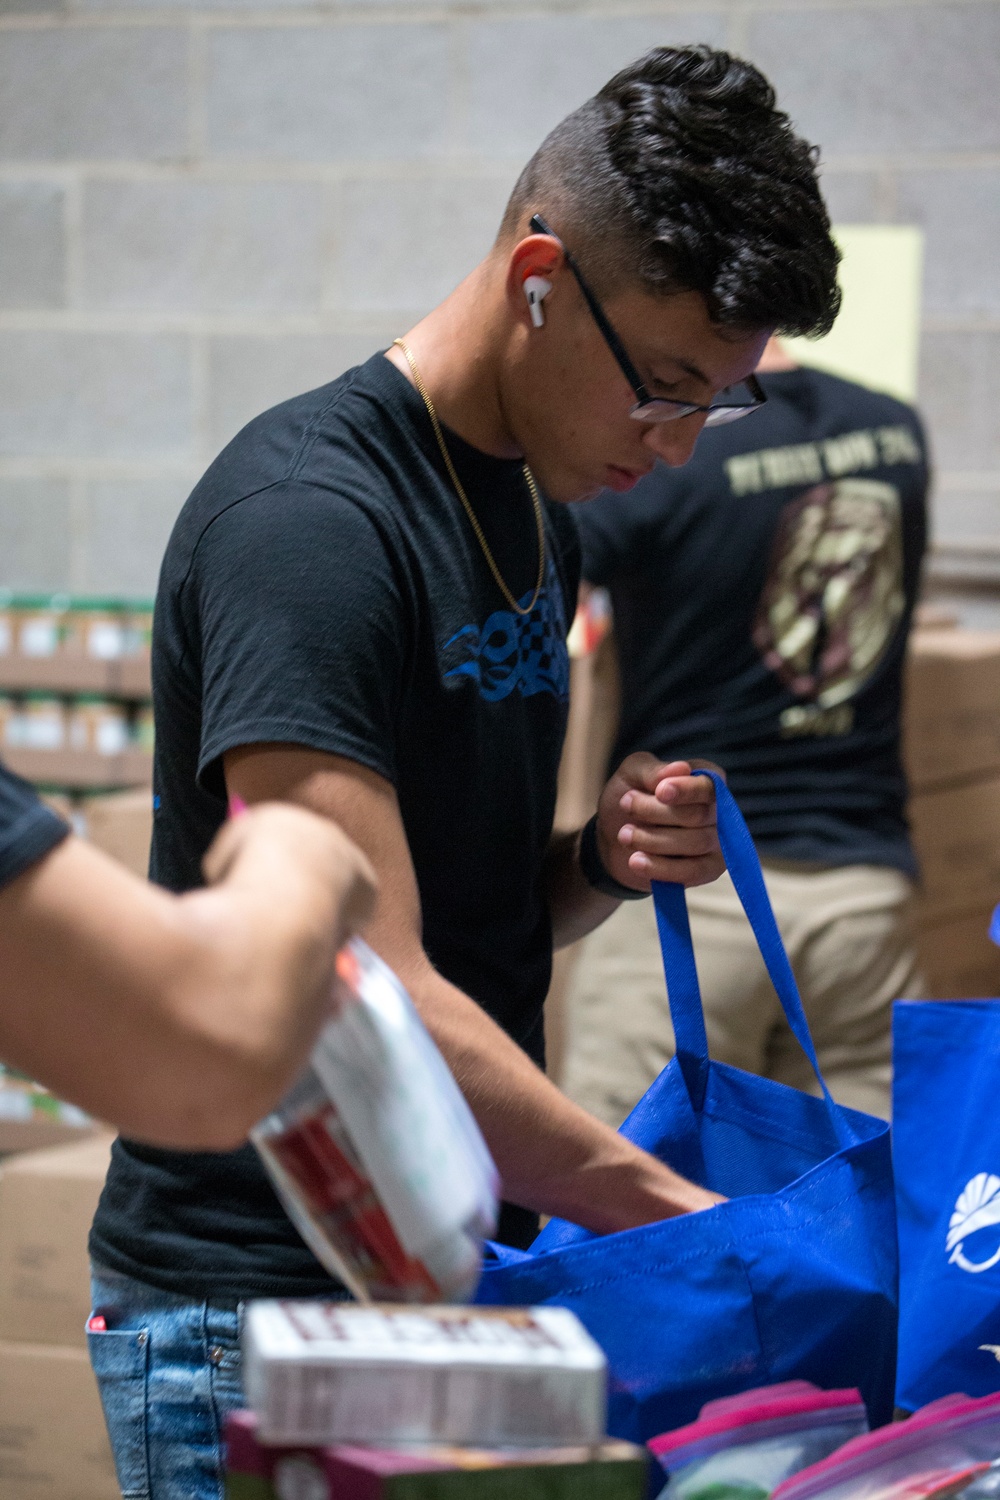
{"points": [[552, 1156], [180, 1019]]}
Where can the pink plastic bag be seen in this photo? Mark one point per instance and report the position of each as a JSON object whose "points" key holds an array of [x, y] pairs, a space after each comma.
{"points": [[741, 1447], [948, 1448]]}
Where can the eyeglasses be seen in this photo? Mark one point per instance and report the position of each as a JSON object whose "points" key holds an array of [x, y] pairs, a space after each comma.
{"points": [[731, 404]]}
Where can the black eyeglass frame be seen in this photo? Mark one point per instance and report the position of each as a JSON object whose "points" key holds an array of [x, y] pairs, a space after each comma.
{"points": [[643, 399]]}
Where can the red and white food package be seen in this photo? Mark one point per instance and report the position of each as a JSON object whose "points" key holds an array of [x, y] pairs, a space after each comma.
{"points": [[376, 1155], [330, 1372]]}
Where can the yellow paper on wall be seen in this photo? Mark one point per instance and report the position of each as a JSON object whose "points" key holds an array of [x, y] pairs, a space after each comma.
{"points": [[876, 338]]}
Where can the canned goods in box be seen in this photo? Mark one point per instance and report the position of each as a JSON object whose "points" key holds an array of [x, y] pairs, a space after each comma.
{"points": [[99, 725], [97, 629], [6, 622], [37, 722], [144, 731], [22, 1099], [140, 628], [40, 622]]}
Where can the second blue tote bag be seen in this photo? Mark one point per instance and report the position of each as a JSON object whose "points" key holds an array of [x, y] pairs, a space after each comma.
{"points": [[946, 1063], [793, 1278]]}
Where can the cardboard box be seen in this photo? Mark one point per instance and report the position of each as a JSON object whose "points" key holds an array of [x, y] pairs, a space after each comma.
{"points": [[47, 1203], [330, 1372], [952, 714], [958, 959], [81, 768], [121, 824], [40, 1134], [127, 677], [605, 1471], [930, 615], [956, 834], [53, 1442]]}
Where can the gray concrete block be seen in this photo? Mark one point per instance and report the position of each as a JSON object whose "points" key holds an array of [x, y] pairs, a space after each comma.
{"points": [[967, 513], [214, 246], [115, 395], [180, 6], [406, 244], [527, 73], [326, 93], [30, 7], [32, 249], [249, 374], [959, 396], [885, 78], [95, 92], [35, 534], [128, 524], [959, 210], [852, 197]]}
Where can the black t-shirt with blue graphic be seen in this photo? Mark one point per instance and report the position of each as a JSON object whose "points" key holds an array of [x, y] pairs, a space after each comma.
{"points": [[324, 587], [762, 597]]}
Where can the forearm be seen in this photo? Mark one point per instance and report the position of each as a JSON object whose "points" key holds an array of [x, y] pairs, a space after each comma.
{"points": [[575, 907], [179, 1019], [552, 1156]]}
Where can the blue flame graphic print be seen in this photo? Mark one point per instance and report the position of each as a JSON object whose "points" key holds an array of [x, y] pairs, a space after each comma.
{"points": [[516, 653]]}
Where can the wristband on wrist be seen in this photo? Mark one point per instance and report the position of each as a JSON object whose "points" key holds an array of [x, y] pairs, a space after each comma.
{"points": [[596, 874]]}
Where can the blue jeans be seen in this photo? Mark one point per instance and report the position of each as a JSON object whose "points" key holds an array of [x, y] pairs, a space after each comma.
{"points": [[168, 1370]]}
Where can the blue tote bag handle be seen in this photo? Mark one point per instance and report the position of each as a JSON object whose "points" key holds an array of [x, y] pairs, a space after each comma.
{"points": [[682, 976]]}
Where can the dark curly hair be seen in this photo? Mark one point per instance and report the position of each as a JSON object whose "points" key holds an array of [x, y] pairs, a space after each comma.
{"points": [[683, 173]]}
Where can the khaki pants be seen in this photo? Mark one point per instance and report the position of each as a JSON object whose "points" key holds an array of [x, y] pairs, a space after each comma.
{"points": [[848, 931]]}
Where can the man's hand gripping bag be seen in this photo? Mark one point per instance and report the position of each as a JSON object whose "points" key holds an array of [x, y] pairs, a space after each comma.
{"points": [[794, 1278]]}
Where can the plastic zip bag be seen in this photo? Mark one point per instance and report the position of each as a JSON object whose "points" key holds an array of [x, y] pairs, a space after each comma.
{"points": [[742, 1447], [945, 1449], [375, 1153]]}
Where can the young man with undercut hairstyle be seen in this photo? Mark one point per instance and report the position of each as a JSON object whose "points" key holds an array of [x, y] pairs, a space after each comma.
{"points": [[363, 609]]}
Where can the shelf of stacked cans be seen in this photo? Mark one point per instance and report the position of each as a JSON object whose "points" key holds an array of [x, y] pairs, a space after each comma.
{"points": [[74, 690]]}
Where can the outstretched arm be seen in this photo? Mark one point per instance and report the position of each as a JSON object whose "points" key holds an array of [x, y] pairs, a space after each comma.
{"points": [[181, 1019], [552, 1156]]}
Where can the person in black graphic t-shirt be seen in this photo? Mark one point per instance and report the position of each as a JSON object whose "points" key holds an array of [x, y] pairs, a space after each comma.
{"points": [[363, 608], [183, 1019], [762, 599]]}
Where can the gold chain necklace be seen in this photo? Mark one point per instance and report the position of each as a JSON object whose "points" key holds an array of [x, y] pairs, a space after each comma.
{"points": [[473, 518]]}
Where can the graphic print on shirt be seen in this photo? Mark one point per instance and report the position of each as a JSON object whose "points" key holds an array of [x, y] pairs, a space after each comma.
{"points": [[509, 652], [833, 599]]}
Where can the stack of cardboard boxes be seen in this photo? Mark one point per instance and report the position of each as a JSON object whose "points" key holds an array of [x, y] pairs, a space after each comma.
{"points": [[120, 823], [53, 1444], [952, 752]]}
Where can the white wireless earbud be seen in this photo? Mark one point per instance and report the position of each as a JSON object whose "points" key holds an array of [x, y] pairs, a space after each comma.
{"points": [[535, 288]]}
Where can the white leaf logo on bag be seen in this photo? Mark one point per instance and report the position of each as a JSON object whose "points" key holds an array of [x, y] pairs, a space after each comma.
{"points": [[978, 1207]]}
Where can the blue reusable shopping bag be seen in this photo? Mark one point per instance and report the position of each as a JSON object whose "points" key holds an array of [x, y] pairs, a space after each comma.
{"points": [[795, 1277], [946, 1148]]}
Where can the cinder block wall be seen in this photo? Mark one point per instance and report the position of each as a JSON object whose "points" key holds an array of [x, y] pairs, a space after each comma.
{"points": [[203, 210]]}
